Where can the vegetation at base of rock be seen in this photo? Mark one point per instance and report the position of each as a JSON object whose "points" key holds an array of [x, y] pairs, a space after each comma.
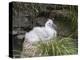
{"points": [[63, 46]]}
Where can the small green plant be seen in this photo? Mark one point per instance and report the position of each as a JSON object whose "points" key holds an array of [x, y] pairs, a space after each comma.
{"points": [[63, 46]]}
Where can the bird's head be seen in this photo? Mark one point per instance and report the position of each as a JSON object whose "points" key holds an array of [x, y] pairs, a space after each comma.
{"points": [[50, 24]]}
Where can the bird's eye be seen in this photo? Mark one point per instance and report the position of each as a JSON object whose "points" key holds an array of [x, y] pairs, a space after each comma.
{"points": [[49, 23]]}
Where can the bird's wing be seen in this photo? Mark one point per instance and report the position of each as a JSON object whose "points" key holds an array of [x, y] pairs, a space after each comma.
{"points": [[42, 33]]}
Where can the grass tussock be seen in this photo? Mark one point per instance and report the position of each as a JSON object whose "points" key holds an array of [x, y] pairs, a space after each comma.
{"points": [[64, 46]]}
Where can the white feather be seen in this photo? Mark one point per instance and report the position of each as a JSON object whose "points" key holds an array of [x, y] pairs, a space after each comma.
{"points": [[42, 33]]}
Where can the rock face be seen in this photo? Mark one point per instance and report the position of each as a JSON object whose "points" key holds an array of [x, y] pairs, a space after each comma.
{"points": [[29, 15]]}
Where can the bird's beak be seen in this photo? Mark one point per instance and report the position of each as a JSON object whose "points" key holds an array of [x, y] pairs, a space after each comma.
{"points": [[54, 26]]}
